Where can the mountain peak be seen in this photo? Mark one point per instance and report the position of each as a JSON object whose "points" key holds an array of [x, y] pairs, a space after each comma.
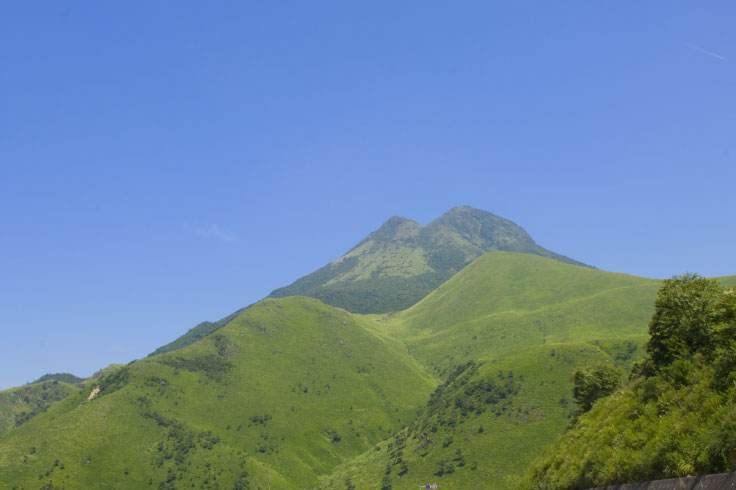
{"points": [[396, 227], [402, 261]]}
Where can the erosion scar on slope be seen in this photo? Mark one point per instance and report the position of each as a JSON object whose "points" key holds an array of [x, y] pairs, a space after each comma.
{"points": [[94, 393]]}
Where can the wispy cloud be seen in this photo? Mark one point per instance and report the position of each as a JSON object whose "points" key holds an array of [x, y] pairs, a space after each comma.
{"points": [[215, 232], [708, 52]]}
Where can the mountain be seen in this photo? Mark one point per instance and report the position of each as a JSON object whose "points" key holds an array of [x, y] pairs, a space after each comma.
{"points": [[464, 388], [403, 261], [304, 392], [278, 396], [504, 334]]}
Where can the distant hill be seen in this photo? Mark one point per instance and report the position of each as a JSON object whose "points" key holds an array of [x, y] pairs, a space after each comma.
{"points": [[65, 377], [403, 261], [19, 405]]}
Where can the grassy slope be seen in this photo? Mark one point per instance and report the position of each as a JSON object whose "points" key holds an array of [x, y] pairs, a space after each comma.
{"points": [[504, 302], [496, 444], [18, 405], [727, 281], [292, 387], [196, 333], [514, 311]]}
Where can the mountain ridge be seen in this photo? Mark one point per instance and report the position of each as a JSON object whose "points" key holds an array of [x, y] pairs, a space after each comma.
{"points": [[402, 261]]}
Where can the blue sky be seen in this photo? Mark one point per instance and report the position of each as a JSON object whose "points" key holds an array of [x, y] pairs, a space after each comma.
{"points": [[164, 163]]}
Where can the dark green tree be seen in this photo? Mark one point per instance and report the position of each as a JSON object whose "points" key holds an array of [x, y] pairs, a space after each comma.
{"points": [[592, 383], [686, 312], [386, 483]]}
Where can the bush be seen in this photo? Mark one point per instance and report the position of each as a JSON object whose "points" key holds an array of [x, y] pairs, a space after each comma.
{"points": [[590, 384]]}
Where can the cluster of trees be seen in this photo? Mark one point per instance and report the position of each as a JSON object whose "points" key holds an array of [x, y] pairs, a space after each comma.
{"points": [[114, 381], [461, 395], [213, 365]]}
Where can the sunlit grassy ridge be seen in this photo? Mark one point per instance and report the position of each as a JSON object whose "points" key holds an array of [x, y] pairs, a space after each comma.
{"points": [[285, 392], [506, 301]]}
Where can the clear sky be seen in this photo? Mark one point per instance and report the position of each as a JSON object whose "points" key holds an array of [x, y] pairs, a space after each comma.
{"points": [[164, 163]]}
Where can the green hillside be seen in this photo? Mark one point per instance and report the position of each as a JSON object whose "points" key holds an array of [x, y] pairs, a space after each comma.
{"points": [[505, 313], [482, 427], [401, 262], [293, 393], [19, 405], [280, 395], [504, 302], [676, 417]]}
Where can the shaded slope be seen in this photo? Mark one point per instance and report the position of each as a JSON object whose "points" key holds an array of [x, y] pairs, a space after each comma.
{"points": [[401, 262], [280, 395]]}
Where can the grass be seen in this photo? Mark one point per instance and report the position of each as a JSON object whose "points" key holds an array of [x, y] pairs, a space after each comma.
{"points": [[293, 393], [504, 302], [299, 388], [489, 448]]}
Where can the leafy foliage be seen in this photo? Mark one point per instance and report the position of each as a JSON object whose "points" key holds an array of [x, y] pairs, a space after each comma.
{"points": [[676, 415], [592, 383], [115, 380], [687, 310]]}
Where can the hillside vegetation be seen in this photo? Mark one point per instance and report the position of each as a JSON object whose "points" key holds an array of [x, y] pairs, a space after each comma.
{"points": [[280, 395], [197, 333], [505, 317], [65, 377], [464, 388], [504, 302], [401, 262], [677, 415], [19, 405]]}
